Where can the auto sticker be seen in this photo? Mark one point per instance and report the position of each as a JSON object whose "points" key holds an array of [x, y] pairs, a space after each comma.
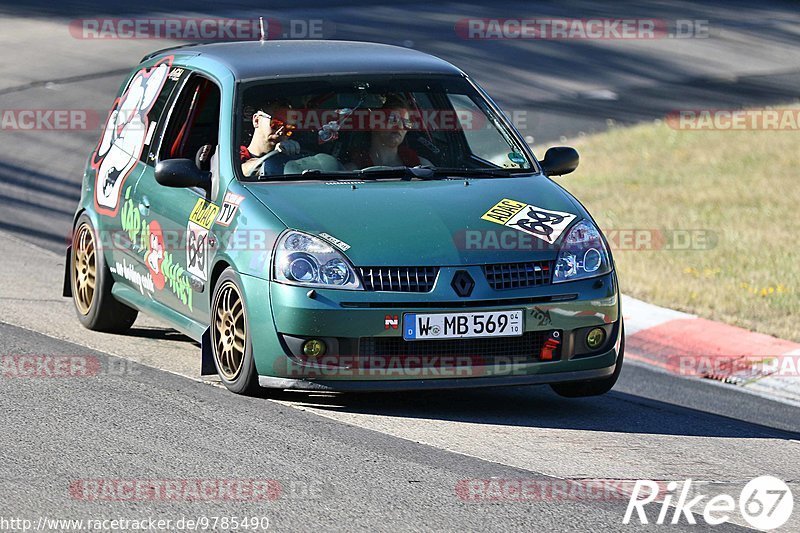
{"points": [[542, 315], [176, 74], [516, 157], [542, 223], [230, 206], [204, 213], [147, 242], [200, 220], [154, 256], [143, 281], [343, 246], [196, 250]]}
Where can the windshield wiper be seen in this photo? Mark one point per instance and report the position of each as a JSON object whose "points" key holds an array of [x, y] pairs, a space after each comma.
{"points": [[482, 172], [406, 173], [309, 174]]}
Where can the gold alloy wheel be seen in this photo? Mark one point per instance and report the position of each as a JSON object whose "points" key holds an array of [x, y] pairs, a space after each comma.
{"points": [[229, 331], [84, 268]]}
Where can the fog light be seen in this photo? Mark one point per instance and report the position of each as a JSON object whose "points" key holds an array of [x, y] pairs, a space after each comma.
{"points": [[595, 338], [314, 348]]}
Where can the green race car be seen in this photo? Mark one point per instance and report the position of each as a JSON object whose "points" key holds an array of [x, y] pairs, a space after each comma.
{"points": [[341, 216]]}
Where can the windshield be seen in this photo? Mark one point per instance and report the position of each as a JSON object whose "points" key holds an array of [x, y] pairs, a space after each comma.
{"points": [[372, 126]]}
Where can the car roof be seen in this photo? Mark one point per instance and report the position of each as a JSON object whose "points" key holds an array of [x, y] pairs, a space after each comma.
{"points": [[277, 59]]}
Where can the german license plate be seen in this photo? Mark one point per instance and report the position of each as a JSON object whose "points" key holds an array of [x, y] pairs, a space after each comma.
{"points": [[462, 325]]}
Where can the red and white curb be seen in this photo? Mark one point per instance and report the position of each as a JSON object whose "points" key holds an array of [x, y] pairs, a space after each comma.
{"points": [[690, 346]]}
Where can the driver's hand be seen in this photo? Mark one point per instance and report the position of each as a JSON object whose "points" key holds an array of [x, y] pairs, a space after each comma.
{"points": [[249, 167], [288, 147]]}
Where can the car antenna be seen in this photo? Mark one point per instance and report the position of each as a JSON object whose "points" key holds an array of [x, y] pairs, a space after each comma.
{"points": [[261, 25]]}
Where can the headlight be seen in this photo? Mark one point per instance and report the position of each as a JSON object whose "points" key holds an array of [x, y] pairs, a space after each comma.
{"points": [[302, 259], [583, 254]]}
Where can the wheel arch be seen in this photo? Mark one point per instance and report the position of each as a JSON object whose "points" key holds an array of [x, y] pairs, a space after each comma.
{"points": [[66, 291], [219, 267]]}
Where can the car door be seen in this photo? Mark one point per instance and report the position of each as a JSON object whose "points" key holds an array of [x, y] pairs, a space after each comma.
{"points": [[181, 218]]}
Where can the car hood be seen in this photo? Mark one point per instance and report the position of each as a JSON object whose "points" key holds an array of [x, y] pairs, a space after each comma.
{"points": [[419, 223]]}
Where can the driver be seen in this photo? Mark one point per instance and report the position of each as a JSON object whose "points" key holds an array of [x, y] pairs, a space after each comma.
{"points": [[270, 132]]}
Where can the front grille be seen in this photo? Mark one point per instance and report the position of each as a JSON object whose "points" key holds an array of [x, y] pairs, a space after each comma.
{"points": [[517, 275], [460, 304], [399, 279], [526, 347]]}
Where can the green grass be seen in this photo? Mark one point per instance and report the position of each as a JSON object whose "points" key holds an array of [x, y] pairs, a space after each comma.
{"points": [[742, 187]]}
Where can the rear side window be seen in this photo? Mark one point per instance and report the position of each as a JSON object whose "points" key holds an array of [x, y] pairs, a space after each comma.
{"points": [[157, 111], [193, 122]]}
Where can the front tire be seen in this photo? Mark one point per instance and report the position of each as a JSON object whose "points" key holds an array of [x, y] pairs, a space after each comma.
{"points": [[595, 387], [91, 282], [230, 336]]}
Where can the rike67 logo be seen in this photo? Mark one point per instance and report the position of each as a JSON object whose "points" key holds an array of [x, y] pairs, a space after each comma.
{"points": [[765, 503]]}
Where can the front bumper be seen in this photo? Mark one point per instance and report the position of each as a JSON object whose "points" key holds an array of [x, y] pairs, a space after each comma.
{"points": [[374, 385], [345, 317]]}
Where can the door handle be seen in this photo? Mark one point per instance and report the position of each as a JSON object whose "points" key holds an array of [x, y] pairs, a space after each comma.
{"points": [[144, 206]]}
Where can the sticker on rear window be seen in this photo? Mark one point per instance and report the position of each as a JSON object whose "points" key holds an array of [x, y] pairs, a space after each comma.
{"points": [[541, 223], [516, 157], [124, 136]]}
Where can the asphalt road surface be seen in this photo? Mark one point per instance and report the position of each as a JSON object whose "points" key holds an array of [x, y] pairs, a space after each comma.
{"points": [[344, 462], [134, 422]]}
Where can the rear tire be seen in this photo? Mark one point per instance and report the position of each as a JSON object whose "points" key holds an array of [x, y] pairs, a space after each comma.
{"points": [[595, 387], [91, 282], [230, 336]]}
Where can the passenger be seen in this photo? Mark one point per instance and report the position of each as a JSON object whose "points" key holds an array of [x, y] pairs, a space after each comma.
{"points": [[387, 146], [270, 132]]}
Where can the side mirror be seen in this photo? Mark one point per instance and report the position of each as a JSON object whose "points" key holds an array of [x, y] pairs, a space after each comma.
{"points": [[560, 160], [182, 173]]}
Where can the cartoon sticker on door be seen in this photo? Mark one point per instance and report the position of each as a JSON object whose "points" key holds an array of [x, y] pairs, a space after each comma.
{"points": [[125, 135]]}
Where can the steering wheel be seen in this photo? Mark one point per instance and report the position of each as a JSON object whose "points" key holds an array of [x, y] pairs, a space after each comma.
{"points": [[272, 163]]}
